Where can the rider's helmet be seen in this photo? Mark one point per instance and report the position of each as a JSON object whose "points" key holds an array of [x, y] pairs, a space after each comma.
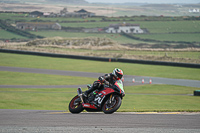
{"points": [[118, 73]]}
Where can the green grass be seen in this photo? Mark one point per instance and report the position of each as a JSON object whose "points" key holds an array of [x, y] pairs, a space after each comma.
{"points": [[159, 89], [138, 98], [28, 61], [8, 35], [35, 100], [161, 28], [172, 37], [88, 24], [157, 27], [152, 26], [17, 78], [160, 103], [170, 26], [58, 99]]}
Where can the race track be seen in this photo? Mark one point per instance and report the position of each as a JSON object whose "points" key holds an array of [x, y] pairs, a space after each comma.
{"points": [[127, 78], [31, 121], [58, 121]]}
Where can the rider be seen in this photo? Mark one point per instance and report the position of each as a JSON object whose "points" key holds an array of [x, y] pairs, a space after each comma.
{"points": [[108, 79]]}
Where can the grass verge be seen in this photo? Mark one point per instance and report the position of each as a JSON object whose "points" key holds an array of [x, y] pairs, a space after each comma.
{"points": [[59, 98], [18, 78], [138, 98], [160, 98], [28, 61]]}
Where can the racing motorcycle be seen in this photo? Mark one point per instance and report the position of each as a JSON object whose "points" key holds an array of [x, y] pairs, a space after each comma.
{"points": [[108, 99]]}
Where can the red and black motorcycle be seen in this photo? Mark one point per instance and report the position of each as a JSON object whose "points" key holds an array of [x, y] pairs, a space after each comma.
{"points": [[108, 99]]}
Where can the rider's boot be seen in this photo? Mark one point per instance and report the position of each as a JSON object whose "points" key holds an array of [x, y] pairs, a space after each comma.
{"points": [[86, 93]]}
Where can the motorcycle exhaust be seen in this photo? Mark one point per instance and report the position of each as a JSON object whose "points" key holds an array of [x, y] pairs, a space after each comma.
{"points": [[80, 94]]}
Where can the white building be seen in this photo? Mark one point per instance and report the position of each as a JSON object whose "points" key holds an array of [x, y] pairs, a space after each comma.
{"points": [[194, 10], [127, 28]]}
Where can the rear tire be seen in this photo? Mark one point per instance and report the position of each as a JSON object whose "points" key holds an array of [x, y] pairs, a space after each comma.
{"points": [[75, 108], [108, 108]]}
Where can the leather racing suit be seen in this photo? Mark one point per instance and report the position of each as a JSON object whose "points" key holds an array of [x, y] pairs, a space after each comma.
{"points": [[108, 79]]}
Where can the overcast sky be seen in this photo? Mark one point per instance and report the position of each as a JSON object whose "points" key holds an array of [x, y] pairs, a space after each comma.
{"points": [[145, 1]]}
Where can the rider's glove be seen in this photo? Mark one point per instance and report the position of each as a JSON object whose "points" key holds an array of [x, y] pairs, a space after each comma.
{"points": [[101, 79], [107, 83]]}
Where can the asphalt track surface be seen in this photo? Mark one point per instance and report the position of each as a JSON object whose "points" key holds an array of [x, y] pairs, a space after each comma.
{"points": [[127, 78], [57, 121], [40, 121]]}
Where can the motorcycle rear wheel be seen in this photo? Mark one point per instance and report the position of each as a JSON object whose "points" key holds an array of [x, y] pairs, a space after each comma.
{"points": [[74, 107], [109, 108]]}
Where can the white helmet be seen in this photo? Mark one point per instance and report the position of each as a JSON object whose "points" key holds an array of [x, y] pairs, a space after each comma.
{"points": [[118, 73]]}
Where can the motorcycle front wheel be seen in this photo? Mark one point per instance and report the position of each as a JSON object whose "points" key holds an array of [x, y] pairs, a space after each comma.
{"points": [[75, 105], [110, 106]]}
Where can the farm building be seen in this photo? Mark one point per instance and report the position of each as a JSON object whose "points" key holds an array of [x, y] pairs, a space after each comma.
{"points": [[64, 13], [125, 27], [81, 13], [38, 26], [85, 13], [36, 14], [194, 10]]}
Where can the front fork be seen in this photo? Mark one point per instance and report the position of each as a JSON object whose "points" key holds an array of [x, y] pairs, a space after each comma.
{"points": [[80, 94], [111, 98]]}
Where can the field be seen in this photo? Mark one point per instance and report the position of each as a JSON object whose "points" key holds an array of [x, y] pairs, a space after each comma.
{"points": [[138, 98], [163, 29], [135, 99], [159, 28], [172, 39], [152, 26], [100, 67], [187, 37], [40, 79], [8, 35]]}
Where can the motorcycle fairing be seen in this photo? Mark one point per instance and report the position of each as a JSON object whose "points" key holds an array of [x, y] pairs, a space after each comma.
{"points": [[87, 105], [118, 86], [98, 99], [106, 91]]}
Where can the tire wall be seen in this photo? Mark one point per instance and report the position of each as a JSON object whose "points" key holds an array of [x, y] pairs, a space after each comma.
{"points": [[102, 59]]}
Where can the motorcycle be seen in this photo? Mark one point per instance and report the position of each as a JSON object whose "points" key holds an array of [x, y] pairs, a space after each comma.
{"points": [[108, 99]]}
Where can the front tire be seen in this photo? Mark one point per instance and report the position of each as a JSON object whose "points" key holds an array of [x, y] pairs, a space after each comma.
{"points": [[75, 107], [109, 108]]}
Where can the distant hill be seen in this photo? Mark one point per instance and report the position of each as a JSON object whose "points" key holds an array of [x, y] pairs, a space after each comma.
{"points": [[45, 1], [192, 5], [70, 1], [160, 6]]}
